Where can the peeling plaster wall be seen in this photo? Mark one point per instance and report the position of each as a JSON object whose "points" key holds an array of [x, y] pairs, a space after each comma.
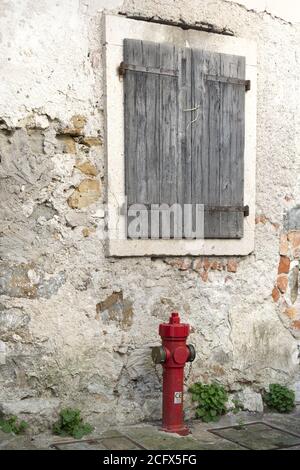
{"points": [[76, 327]]}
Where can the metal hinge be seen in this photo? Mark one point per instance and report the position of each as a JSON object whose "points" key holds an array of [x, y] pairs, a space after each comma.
{"points": [[147, 69], [230, 80], [244, 209], [207, 208]]}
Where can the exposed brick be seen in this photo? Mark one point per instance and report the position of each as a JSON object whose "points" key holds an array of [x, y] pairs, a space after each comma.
{"points": [[183, 264], [284, 265], [291, 312], [282, 282], [261, 219], [296, 324], [216, 266], [197, 264], [206, 264], [284, 245], [232, 265], [204, 276], [275, 294]]}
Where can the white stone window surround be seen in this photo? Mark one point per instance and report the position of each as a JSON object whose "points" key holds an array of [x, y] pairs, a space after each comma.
{"points": [[117, 28]]}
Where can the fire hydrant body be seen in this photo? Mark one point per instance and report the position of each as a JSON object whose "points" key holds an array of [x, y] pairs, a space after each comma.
{"points": [[173, 356]]}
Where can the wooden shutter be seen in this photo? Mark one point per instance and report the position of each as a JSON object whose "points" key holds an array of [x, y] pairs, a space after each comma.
{"points": [[216, 140], [184, 131]]}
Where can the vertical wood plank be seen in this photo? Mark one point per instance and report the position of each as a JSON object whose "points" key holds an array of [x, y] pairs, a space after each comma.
{"points": [[185, 113], [168, 126], [205, 136]]}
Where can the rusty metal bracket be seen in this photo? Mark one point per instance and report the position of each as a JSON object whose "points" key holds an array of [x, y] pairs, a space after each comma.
{"points": [[207, 208], [244, 209], [147, 69], [229, 80]]}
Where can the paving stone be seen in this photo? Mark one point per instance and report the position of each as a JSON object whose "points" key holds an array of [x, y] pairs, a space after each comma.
{"points": [[288, 422], [152, 439], [258, 436], [80, 445], [12, 442], [254, 435], [120, 443], [109, 440], [292, 448]]}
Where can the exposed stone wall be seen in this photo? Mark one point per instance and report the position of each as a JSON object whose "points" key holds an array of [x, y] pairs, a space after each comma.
{"points": [[286, 289], [77, 327]]}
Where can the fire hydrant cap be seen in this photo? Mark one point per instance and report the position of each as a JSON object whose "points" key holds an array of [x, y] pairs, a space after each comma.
{"points": [[174, 329]]}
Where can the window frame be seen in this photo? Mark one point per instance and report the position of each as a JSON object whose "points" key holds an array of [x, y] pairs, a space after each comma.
{"points": [[116, 29]]}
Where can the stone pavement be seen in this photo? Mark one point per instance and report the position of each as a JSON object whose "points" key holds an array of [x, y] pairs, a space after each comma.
{"points": [[233, 432]]}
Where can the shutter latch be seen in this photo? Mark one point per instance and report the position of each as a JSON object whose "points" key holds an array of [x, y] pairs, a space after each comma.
{"points": [[122, 69], [246, 211]]}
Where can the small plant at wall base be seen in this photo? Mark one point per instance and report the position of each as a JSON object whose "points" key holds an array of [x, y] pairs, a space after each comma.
{"points": [[280, 398], [70, 423], [11, 425], [211, 401]]}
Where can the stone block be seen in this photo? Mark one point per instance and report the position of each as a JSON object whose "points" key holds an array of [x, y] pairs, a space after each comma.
{"points": [[116, 310], [275, 294], [292, 219], [2, 353], [294, 239], [12, 320], [251, 400], [284, 245], [85, 194], [40, 413], [87, 168], [282, 282], [28, 280], [291, 312]]}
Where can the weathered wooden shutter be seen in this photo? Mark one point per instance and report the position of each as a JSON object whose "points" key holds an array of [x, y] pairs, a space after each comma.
{"points": [[184, 131], [215, 139], [151, 114]]}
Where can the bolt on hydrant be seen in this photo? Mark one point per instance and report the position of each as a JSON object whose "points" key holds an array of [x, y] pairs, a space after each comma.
{"points": [[173, 354]]}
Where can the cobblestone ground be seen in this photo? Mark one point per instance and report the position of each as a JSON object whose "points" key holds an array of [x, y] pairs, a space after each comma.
{"points": [[233, 432]]}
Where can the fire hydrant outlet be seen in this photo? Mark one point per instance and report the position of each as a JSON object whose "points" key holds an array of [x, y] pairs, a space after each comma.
{"points": [[159, 355], [181, 355], [192, 352]]}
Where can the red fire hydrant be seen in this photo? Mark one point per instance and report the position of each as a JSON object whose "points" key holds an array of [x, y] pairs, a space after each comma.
{"points": [[173, 354]]}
